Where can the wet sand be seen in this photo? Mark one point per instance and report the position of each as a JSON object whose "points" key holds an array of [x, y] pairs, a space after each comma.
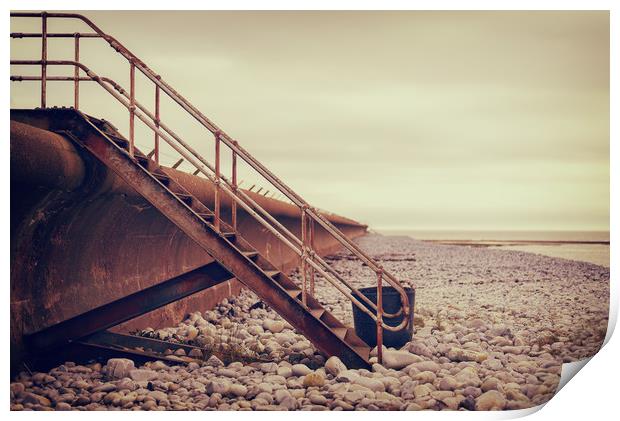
{"points": [[592, 253]]}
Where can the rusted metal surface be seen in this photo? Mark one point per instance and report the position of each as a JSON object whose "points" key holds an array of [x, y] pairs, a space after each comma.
{"points": [[312, 247], [304, 259], [245, 224], [127, 307], [218, 217], [72, 251], [43, 158], [104, 345], [132, 107], [54, 35], [175, 312], [156, 146], [125, 341], [76, 72], [233, 209], [380, 316], [43, 60]]}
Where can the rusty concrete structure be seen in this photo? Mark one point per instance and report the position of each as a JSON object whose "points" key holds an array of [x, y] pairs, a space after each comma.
{"points": [[103, 236]]}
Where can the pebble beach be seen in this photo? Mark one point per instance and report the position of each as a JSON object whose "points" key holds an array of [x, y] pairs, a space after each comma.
{"points": [[491, 330]]}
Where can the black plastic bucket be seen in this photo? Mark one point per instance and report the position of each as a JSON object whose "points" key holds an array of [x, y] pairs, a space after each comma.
{"points": [[366, 328]]}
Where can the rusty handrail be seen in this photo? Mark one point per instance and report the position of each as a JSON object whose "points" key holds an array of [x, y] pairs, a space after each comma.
{"points": [[55, 35], [235, 148]]}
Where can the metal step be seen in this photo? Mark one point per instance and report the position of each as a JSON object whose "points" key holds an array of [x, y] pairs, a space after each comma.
{"points": [[120, 141], [250, 254], [163, 178], [341, 332], [272, 273], [317, 312], [187, 198], [207, 216]]}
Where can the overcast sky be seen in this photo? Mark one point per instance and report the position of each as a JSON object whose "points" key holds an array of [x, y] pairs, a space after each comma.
{"points": [[402, 120]]}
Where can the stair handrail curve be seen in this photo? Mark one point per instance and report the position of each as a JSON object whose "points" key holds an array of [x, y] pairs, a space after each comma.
{"points": [[233, 145]]}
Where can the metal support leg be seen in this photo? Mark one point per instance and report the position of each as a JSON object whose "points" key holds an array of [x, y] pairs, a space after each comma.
{"points": [[217, 183], [43, 60], [313, 249], [132, 106], [76, 73], [129, 307], [234, 182], [156, 150], [304, 256], [380, 316]]}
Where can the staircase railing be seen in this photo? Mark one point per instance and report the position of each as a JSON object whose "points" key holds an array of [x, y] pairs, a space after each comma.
{"points": [[311, 262]]}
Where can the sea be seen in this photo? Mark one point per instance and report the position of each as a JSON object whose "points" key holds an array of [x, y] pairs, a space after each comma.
{"points": [[586, 246]]}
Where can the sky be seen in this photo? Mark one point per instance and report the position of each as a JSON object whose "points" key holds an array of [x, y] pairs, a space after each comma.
{"points": [[401, 120]]}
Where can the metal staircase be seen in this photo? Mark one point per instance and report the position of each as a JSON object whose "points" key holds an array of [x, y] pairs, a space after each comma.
{"points": [[221, 239]]}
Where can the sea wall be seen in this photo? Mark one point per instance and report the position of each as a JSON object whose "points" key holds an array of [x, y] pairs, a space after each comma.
{"points": [[81, 237]]}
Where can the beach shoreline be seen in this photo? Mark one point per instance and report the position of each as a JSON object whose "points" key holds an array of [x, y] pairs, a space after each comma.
{"points": [[596, 252], [492, 329]]}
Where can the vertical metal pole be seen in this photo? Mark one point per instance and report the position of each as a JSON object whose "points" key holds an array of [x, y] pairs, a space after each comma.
{"points": [[380, 316], [43, 60], [132, 105], [156, 154], [234, 181], [313, 249], [303, 256], [217, 181], [76, 73]]}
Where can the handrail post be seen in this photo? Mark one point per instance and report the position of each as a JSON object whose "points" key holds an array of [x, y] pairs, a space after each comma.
{"points": [[43, 59], [156, 150], [380, 316], [76, 72], [234, 185], [132, 105], [304, 255], [217, 181], [311, 222]]}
